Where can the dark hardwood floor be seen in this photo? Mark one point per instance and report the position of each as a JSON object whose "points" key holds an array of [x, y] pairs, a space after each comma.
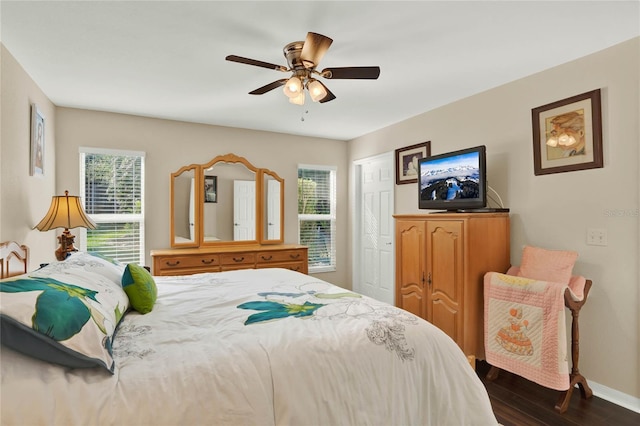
{"points": [[520, 402]]}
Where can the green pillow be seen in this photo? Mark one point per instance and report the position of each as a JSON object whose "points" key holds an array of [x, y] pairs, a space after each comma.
{"points": [[139, 285]]}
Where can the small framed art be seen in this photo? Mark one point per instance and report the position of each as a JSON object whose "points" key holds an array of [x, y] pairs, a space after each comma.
{"points": [[37, 142], [210, 189], [567, 134], [407, 161]]}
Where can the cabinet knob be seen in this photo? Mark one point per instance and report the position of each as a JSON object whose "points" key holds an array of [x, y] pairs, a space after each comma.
{"points": [[429, 279]]}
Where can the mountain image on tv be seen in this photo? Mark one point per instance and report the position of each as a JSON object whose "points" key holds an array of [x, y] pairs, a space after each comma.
{"points": [[453, 178]]}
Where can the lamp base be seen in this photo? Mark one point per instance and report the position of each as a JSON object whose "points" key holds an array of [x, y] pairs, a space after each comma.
{"points": [[66, 240]]}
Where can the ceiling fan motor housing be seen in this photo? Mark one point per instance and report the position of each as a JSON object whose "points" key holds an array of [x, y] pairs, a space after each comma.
{"points": [[292, 53]]}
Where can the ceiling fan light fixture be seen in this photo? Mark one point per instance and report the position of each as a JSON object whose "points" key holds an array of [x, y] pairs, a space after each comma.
{"points": [[303, 58], [293, 87], [316, 90], [298, 100]]}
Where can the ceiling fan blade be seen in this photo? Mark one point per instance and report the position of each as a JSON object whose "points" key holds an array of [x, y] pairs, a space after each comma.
{"points": [[314, 48], [329, 96], [268, 87], [363, 73], [240, 59]]}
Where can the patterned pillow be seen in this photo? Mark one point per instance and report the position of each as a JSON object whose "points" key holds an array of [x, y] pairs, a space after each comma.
{"points": [[547, 265], [94, 262], [65, 313], [141, 288]]}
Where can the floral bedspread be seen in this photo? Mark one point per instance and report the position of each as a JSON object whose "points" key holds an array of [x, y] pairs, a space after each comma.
{"points": [[257, 347]]}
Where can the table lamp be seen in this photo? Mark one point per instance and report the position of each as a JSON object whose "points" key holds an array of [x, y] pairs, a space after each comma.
{"points": [[65, 212]]}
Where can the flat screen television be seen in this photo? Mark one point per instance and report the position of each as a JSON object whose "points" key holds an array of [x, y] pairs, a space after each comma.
{"points": [[453, 181]]}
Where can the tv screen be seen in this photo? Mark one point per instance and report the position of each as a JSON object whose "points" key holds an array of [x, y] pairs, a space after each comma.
{"points": [[453, 181]]}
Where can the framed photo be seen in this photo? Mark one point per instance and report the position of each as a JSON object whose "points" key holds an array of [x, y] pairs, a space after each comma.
{"points": [[567, 135], [37, 142], [407, 162], [210, 189]]}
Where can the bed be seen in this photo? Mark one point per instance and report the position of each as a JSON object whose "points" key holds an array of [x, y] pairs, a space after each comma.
{"points": [[250, 347]]}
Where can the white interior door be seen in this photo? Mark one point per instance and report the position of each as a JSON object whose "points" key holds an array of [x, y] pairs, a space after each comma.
{"points": [[244, 210], [375, 272], [273, 210]]}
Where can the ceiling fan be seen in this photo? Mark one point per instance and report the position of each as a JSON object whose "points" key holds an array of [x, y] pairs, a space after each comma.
{"points": [[303, 58]]}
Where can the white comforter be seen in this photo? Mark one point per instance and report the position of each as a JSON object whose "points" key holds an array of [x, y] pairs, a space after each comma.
{"points": [[256, 347]]}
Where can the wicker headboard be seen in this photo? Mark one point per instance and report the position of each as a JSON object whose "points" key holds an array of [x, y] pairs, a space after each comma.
{"points": [[14, 259]]}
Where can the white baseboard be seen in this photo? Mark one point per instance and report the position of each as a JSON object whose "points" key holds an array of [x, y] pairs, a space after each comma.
{"points": [[622, 399]]}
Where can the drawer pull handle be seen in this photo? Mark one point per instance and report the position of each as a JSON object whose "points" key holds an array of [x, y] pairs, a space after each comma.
{"points": [[295, 268], [177, 262], [294, 256], [208, 262], [236, 259], [266, 258]]}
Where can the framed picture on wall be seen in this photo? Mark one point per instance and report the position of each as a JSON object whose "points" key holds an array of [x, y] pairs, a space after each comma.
{"points": [[211, 189], [567, 134], [37, 142], [407, 162]]}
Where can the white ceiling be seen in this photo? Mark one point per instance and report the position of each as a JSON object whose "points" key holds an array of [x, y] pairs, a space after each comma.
{"points": [[166, 59]]}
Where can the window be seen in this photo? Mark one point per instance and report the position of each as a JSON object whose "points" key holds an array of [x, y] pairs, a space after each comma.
{"points": [[317, 215], [112, 186]]}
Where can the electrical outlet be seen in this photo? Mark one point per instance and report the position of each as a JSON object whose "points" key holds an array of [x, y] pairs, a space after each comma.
{"points": [[596, 237]]}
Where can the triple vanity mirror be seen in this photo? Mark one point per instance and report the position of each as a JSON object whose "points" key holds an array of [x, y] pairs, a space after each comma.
{"points": [[226, 201]]}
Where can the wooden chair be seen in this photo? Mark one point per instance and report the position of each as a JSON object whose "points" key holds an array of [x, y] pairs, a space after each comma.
{"points": [[575, 378], [14, 258]]}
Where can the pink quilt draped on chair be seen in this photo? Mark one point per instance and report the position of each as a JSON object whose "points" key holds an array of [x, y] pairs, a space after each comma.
{"points": [[525, 328]]}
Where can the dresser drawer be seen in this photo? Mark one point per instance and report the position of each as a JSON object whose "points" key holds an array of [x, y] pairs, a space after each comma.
{"points": [[292, 266], [183, 265], [170, 262], [245, 259], [280, 256]]}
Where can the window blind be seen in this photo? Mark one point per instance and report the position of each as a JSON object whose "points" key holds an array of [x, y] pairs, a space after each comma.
{"points": [[317, 215], [112, 183]]}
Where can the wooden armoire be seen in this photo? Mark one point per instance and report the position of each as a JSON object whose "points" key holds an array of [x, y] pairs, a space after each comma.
{"points": [[441, 259]]}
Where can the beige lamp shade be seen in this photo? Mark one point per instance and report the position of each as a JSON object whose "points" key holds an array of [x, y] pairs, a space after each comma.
{"points": [[65, 212]]}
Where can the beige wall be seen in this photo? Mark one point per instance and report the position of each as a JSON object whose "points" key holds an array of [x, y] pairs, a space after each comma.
{"points": [[24, 199], [554, 211], [170, 145]]}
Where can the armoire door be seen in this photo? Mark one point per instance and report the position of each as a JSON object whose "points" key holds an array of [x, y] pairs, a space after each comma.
{"points": [[445, 276], [410, 271]]}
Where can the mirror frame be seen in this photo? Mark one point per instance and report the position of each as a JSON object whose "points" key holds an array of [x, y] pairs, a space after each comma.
{"points": [[172, 216], [263, 207], [261, 203]]}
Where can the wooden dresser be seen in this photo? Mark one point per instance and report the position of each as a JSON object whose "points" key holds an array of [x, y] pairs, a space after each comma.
{"points": [[441, 260], [186, 261]]}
